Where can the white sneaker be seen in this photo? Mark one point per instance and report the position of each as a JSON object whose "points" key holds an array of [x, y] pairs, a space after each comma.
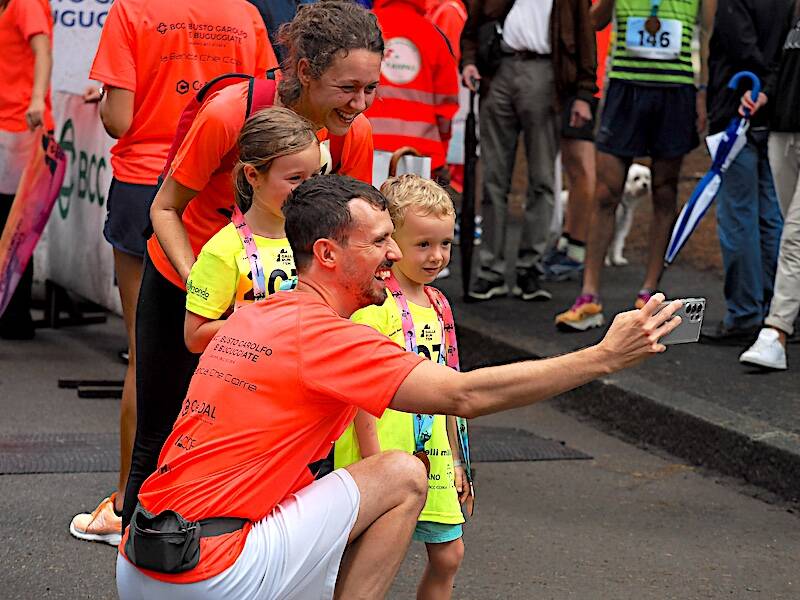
{"points": [[767, 351]]}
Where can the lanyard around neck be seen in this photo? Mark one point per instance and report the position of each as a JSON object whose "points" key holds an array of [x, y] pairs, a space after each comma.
{"points": [[253, 257], [423, 424], [447, 355]]}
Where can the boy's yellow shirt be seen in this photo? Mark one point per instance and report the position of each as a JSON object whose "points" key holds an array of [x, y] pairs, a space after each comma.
{"points": [[395, 428]]}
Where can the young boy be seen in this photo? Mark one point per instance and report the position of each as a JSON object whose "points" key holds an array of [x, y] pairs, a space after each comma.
{"points": [[412, 316]]}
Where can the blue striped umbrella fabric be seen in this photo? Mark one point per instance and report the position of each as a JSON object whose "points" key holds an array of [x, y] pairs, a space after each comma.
{"points": [[724, 147]]}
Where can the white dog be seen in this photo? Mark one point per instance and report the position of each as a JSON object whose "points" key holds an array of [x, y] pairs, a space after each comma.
{"points": [[637, 186]]}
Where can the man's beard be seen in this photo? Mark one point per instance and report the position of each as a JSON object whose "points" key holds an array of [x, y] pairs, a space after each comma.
{"points": [[370, 295]]}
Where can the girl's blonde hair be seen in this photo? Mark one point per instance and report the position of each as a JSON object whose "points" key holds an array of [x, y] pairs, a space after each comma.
{"points": [[269, 134], [415, 192]]}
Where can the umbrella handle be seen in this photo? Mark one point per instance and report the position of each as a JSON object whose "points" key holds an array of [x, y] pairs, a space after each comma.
{"points": [[756, 87]]}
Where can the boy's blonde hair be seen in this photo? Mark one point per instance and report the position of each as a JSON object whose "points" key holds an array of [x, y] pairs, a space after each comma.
{"points": [[412, 191]]}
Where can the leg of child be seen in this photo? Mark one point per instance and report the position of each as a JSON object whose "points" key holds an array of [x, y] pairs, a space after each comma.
{"points": [[440, 572]]}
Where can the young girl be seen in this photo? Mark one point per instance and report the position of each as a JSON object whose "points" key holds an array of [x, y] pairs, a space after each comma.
{"points": [[424, 220], [250, 257]]}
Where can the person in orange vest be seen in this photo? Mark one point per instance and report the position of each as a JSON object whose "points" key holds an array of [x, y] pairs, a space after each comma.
{"points": [[418, 92]]}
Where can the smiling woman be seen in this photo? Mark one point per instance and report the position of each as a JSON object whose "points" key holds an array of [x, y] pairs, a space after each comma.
{"points": [[332, 69]]}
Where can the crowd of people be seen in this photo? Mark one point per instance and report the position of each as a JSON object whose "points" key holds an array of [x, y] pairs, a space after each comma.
{"points": [[272, 445]]}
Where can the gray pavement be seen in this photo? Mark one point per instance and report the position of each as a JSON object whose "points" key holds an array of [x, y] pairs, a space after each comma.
{"points": [[696, 401], [627, 524]]}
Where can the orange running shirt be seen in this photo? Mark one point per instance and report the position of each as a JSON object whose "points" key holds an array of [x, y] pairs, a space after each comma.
{"points": [[165, 51], [206, 158], [263, 403], [21, 20]]}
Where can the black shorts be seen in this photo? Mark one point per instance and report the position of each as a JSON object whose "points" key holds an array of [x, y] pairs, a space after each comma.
{"points": [[127, 225], [648, 120], [586, 132]]}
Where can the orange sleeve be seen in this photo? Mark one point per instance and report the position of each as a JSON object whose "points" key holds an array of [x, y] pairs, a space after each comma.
{"points": [[358, 150], [32, 18], [114, 63], [211, 137], [451, 23]]}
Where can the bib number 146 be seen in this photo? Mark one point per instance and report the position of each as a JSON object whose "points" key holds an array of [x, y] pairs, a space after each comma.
{"points": [[664, 44]]}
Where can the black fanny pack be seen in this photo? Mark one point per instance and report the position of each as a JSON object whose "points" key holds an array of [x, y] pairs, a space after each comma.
{"points": [[168, 543]]}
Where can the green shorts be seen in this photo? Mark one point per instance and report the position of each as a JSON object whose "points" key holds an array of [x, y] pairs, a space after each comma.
{"points": [[436, 533]]}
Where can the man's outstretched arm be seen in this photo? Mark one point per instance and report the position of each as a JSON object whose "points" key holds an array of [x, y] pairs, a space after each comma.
{"points": [[633, 336]]}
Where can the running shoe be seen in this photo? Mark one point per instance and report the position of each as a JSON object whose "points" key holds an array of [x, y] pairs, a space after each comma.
{"points": [[102, 525], [558, 266], [643, 297], [528, 287], [483, 289], [586, 313]]}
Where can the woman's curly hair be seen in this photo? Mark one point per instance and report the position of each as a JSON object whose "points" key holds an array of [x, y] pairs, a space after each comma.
{"points": [[319, 33]]}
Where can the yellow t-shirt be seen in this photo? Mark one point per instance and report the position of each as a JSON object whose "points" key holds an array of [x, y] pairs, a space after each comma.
{"points": [[220, 279], [395, 428]]}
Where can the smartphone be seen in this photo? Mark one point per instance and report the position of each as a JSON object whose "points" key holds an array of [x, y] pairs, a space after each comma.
{"points": [[691, 314]]}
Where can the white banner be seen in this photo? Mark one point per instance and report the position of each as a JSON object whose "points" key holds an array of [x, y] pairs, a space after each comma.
{"points": [[76, 33], [75, 254]]}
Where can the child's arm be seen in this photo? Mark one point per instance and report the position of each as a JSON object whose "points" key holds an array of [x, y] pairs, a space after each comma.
{"points": [[198, 331], [366, 433], [459, 473]]}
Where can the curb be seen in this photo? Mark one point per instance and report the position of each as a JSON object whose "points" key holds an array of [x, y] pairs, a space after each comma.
{"points": [[686, 426]]}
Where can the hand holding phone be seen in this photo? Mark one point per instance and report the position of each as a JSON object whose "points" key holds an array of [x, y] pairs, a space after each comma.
{"points": [[691, 314]]}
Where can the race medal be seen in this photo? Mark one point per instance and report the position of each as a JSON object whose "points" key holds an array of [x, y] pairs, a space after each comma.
{"points": [[423, 456], [652, 25]]}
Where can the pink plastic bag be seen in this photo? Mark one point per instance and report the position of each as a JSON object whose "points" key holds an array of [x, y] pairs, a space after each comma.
{"points": [[37, 193]]}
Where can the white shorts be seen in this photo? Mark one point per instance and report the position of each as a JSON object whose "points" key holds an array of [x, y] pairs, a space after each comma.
{"points": [[293, 553]]}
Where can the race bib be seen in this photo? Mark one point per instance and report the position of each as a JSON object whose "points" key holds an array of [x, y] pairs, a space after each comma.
{"points": [[664, 44]]}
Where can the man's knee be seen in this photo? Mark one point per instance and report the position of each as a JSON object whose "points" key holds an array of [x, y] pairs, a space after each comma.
{"points": [[408, 473]]}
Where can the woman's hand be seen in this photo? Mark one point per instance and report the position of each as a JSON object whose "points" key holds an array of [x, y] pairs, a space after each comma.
{"points": [[34, 116], [92, 94]]}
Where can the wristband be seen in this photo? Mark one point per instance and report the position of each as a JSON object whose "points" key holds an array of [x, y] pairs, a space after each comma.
{"points": [[458, 463], [702, 87]]}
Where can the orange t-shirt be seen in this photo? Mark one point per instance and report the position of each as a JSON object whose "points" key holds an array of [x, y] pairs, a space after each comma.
{"points": [[21, 20], [165, 51], [263, 403], [206, 158]]}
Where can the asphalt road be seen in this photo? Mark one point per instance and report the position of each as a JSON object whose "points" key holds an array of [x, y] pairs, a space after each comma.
{"points": [[627, 524]]}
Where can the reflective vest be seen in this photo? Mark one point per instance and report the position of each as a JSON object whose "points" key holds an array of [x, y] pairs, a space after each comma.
{"points": [[418, 92]]}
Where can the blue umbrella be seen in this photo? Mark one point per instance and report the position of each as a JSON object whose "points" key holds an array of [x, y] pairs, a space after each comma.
{"points": [[724, 147]]}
